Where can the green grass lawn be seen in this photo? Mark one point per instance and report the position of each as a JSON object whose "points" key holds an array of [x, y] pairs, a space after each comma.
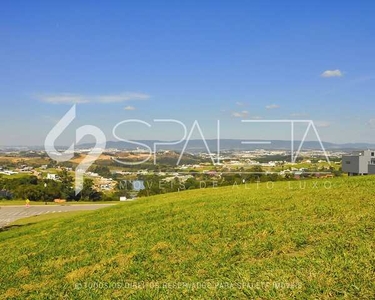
{"points": [[14, 176], [36, 219], [257, 242]]}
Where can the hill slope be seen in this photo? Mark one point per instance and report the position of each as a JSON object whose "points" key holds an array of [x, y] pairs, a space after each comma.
{"points": [[258, 242]]}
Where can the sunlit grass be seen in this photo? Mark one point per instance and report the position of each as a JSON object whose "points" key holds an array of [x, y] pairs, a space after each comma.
{"points": [[282, 240]]}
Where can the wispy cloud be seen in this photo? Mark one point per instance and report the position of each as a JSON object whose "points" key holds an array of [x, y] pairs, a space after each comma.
{"points": [[332, 73], [322, 124], [240, 103], [129, 108], [63, 99], [66, 98], [241, 114], [272, 106], [122, 97], [299, 115]]}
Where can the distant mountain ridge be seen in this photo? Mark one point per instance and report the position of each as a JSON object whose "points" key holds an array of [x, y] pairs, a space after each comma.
{"points": [[233, 144], [198, 145]]}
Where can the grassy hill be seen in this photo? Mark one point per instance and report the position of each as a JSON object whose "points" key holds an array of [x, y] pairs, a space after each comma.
{"points": [[235, 243]]}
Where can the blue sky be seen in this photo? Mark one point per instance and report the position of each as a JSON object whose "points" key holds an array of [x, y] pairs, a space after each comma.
{"points": [[188, 61]]}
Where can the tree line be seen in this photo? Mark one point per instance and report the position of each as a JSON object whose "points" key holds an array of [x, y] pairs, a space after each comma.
{"points": [[36, 189]]}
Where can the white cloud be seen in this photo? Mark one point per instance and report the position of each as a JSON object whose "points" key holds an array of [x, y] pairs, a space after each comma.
{"points": [[66, 98], [129, 108], [241, 114], [272, 106], [332, 73], [240, 103], [63, 99], [322, 124], [122, 97], [299, 115]]}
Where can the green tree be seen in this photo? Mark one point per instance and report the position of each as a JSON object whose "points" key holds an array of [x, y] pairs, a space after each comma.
{"points": [[67, 191], [88, 192]]}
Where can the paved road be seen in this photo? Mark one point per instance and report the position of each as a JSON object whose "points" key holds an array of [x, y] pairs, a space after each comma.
{"points": [[9, 214]]}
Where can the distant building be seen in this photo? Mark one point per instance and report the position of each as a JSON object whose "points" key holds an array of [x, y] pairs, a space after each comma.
{"points": [[105, 187], [8, 172], [92, 174], [359, 163], [52, 176]]}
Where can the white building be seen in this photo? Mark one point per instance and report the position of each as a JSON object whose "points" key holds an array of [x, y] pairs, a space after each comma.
{"points": [[52, 176]]}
